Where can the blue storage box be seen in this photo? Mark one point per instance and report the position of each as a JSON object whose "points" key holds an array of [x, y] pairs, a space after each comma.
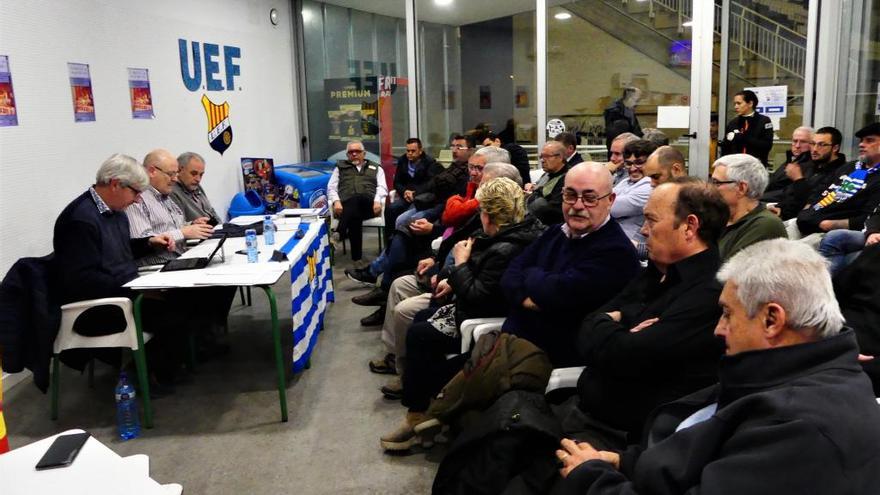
{"points": [[309, 180], [247, 203]]}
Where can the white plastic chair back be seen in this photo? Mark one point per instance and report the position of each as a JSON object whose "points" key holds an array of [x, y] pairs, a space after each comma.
{"points": [[68, 339], [564, 378], [472, 329]]}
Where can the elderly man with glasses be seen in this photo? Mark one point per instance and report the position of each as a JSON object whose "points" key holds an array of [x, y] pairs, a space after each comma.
{"points": [[545, 196], [158, 213], [357, 191], [633, 192], [741, 180]]}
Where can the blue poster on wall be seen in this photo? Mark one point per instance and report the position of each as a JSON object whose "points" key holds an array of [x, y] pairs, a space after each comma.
{"points": [[81, 89]]}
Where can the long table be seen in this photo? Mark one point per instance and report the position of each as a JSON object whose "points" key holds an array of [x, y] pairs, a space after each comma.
{"points": [[311, 281]]}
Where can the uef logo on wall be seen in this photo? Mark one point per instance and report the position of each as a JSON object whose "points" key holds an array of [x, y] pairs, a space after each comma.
{"points": [[219, 128]]}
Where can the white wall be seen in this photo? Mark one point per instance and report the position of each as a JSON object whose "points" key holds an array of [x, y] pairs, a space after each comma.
{"points": [[48, 159]]}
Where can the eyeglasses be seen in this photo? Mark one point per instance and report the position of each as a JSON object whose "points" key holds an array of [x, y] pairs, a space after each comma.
{"points": [[135, 191], [458, 146], [169, 174], [635, 163], [716, 182], [570, 196], [821, 145], [355, 152], [545, 156]]}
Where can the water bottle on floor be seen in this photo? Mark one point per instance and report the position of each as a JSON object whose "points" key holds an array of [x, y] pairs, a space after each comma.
{"points": [[126, 409], [250, 240], [269, 230]]}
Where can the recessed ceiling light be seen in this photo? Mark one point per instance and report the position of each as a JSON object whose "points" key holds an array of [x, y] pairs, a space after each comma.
{"points": [[442, 3], [563, 16]]}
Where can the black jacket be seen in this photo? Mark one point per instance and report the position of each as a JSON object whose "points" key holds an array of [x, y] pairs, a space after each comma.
{"points": [[548, 207], [477, 283], [858, 294], [755, 136], [29, 318], [425, 168], [797, 419], [618, 120], [629, 374], [445, 182], [519, 158], [779, 180], [796, 195], [855, 209]]}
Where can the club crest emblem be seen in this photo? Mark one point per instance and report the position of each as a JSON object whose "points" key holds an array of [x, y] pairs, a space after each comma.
{"points": [[219, 128]]}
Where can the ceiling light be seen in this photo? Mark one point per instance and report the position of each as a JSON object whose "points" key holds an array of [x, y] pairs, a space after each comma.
{"points": [[563, 16], [687, 24], [442, 3]]}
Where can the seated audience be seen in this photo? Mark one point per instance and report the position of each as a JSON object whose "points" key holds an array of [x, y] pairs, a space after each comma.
{"points": [[797, 157], [474, 286], [792, 412], [846, 203], [356, 192], [741, 179], [188, 192], [414, 169], [519, 157], [615, 156], [633, 192], [664, 164], [840, 247], [158, 213], [653, 342], [545, 196], [809, 179]]}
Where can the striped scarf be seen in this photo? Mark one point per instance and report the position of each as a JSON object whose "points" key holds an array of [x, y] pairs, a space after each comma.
{"points": [[849, 186]]}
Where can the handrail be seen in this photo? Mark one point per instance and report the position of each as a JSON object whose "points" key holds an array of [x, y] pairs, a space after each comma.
{"points": [[787, 52]]}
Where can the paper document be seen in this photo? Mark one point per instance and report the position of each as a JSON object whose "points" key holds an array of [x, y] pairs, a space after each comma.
{"points": [[298, 212]]}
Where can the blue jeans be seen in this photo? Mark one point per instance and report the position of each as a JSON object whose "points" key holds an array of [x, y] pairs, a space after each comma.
{"points": [[840, 247]]}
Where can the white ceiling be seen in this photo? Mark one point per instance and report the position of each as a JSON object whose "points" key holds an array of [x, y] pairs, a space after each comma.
{"points": [[458, 13]]}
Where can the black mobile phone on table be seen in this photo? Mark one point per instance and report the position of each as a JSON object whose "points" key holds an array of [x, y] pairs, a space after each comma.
{"points": [[63, 451]]}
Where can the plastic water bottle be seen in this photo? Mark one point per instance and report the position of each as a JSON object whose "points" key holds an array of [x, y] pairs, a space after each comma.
{"points": [[268, 230], [126, 409], [250, 240]]}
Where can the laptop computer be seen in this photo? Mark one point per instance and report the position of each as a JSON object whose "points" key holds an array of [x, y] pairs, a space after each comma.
{"points": [[192, 263]]}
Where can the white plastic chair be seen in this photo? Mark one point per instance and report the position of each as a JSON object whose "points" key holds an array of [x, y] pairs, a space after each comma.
{"points": [[68, 339], [375, 222], [472, 329], [564, 378]]}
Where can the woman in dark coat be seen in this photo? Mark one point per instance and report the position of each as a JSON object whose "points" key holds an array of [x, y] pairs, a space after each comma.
{"points": [[474, 283], [750, 132]]}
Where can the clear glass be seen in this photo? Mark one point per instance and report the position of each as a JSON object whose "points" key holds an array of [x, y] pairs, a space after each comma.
{"points": [[768, 47], [596, 49], [355, 65], [858, 98], [476, 69]]}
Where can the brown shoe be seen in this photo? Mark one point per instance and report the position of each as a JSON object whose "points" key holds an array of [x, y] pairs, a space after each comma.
{"points": [[376, 297], [404, 437], [393, 390], [384, 366]]}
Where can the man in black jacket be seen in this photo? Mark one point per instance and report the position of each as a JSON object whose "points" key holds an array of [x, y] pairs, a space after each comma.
{"points": [[798, 156], [414, 169], [653, 343], [793, 411], [544, 199], [519, 158], [808, 179]]}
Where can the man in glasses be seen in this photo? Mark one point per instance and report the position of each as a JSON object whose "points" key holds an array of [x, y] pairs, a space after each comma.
{"points": [[545, 196], [357, 191], [809, 179], [633, 192], [798, 156], [158, 213], [553, 284]]}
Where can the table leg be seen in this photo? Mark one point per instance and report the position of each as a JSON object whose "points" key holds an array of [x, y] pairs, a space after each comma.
{"points": [[141, 364], [279, 359]]}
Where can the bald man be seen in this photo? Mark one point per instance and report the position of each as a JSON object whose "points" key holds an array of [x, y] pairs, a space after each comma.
{"points": [[157, 213]]}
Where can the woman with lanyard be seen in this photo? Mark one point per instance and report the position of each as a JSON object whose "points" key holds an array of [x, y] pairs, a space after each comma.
{"points": [[750, 132]]}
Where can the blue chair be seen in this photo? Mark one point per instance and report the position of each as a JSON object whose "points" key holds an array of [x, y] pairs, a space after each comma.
{"points": [[246, 203]]}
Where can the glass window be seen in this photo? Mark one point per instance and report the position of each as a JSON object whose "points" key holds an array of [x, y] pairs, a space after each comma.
{"points": [[768, 47], [355, 65], [477, 70], [858, 98]]}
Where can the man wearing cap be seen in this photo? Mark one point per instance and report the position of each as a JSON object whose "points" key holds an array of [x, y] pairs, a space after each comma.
{"points": [[848, 201]]}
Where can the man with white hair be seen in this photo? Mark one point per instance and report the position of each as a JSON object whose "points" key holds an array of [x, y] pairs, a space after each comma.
{"points": [[544, 200], [798, 156], [792, 412], [188, 192], [741, 180]]}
